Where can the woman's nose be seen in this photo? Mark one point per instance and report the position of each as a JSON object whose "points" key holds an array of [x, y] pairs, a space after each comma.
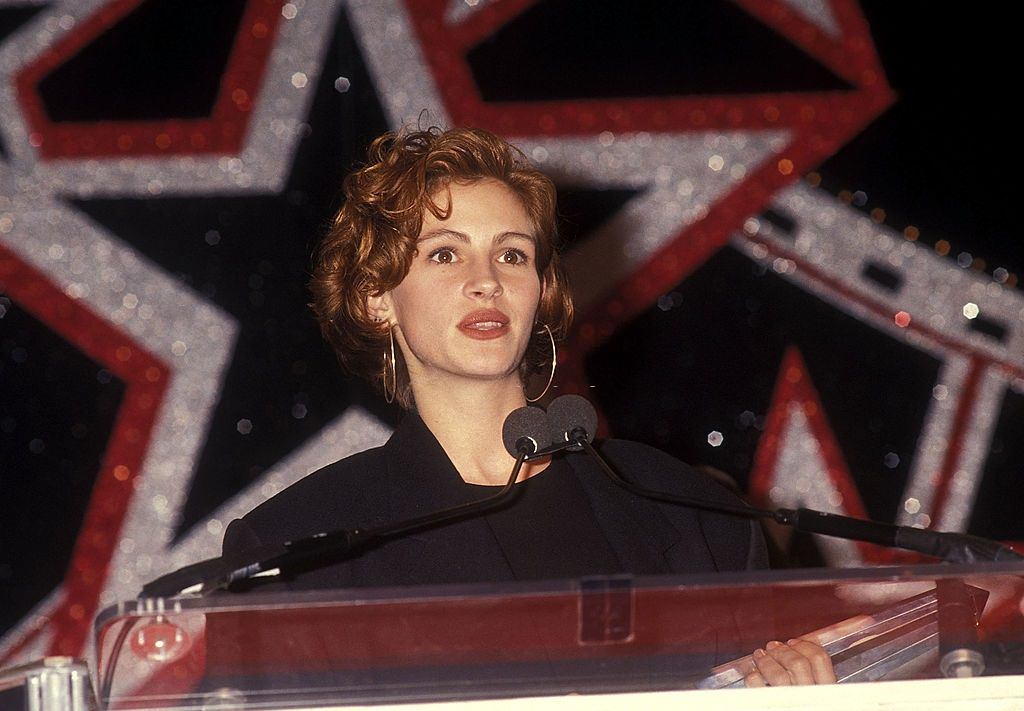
{"points": [[483, 283]]}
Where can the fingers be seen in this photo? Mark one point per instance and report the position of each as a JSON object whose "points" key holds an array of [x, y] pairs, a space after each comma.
{"points": [[782, 666], [754, 679], [821, 664], [799, 662]]}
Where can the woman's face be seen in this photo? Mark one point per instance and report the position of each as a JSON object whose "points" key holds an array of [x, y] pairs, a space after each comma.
{"points": [[467, 306]]}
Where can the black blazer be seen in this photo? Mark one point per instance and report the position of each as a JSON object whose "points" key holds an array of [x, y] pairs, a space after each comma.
{"points": [[411, 475]]}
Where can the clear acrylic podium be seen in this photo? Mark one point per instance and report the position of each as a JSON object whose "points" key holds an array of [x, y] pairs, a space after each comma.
{"points": [[277, 649]]}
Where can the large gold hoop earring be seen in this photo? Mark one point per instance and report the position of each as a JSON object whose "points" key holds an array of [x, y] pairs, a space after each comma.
{"points": [[554, 364], [390, 364]]}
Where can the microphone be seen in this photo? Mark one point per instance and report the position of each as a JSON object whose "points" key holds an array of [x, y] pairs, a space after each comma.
{"points": [[568, 410], [574, 421], [572, 416], [523, 431]]}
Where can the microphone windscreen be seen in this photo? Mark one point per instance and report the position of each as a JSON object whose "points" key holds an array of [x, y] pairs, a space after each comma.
{"points": [[570, 412], [525, 426]]}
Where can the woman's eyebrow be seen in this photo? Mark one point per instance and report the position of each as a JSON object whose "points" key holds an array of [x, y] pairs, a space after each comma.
{"points": [[511, 236], [449, 234]]}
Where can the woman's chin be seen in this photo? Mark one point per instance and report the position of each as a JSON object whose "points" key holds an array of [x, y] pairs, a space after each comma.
{"points": [[492, 372]]}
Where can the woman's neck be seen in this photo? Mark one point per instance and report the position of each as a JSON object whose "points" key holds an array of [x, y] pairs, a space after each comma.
{"points": [[467, 421]]}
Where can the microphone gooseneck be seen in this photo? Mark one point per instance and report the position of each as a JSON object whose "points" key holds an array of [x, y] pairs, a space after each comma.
{"points": [[736, 510], [945, 545], [331, 544], [526, 429], [574, 421]]}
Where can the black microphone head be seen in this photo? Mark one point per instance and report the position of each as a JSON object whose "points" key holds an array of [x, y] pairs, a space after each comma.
{"points": [[569, 413], [525, 429]]}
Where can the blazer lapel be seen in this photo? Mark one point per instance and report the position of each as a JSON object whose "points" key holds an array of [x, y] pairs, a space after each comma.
{"points": [[637, 529]]}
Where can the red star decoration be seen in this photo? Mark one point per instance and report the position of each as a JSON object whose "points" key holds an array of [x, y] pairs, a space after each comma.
{"points": [[144, 375], [145, 378], [223, 132]]}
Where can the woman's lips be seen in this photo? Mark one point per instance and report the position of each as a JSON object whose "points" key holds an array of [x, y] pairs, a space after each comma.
{"points": [[485, 324]]}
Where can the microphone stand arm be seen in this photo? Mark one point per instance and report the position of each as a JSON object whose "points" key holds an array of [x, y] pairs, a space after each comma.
{"points": [[945, 545], [953, 547], [330, 543], [347, 541], [735, 509]]}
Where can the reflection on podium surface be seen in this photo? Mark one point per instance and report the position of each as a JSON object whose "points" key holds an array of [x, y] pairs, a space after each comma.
{"points": [[592, 636]]}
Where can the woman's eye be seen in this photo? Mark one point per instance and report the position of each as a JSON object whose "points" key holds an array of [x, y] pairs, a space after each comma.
{"points": [[514, 256], [443, 255]]}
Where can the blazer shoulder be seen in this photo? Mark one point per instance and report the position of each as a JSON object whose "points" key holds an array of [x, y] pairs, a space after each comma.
{"points": [[656, 469], [736, 542]]}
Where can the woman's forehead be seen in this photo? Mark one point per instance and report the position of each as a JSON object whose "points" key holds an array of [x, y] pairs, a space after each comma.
{"points": [[468, 207]]}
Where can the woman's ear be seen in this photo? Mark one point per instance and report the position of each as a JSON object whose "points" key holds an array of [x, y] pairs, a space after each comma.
{"points": [[380, 307]]}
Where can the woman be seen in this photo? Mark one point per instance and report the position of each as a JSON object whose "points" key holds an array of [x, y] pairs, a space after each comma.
{"points": [[440, 282]]}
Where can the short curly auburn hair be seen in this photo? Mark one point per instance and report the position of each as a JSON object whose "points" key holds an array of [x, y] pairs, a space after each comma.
{"points": [[371, 242]]}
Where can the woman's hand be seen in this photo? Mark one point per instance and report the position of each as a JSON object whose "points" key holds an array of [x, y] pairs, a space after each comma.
{"points": [[798, 662]]}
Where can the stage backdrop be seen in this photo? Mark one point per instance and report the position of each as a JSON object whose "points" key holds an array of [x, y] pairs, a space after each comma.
{"points": [[791, 225]]}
